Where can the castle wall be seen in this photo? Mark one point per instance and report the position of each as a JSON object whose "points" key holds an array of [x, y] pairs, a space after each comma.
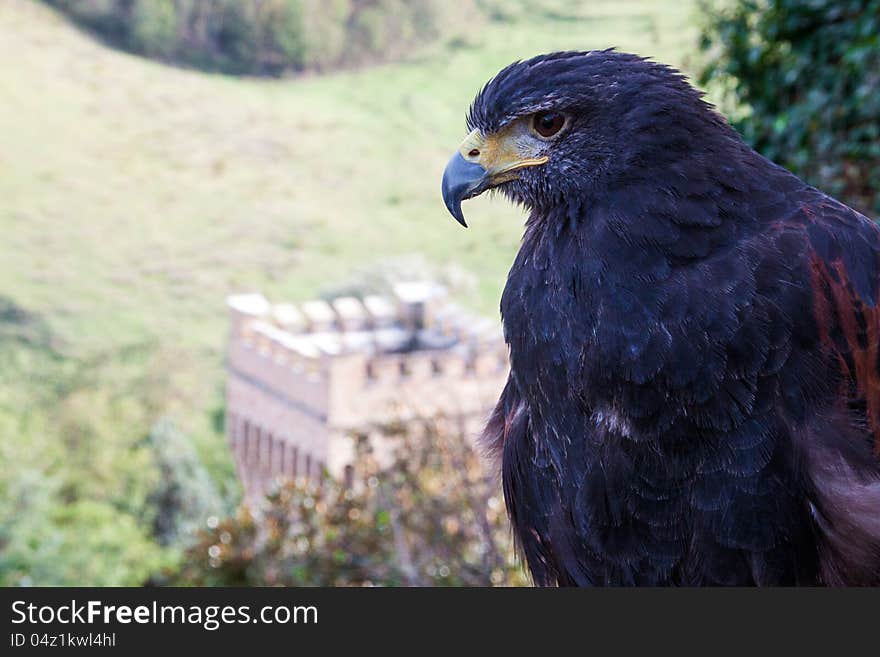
{"points": [[270, 437], [371, 390], [276, 401], [295, 398]]}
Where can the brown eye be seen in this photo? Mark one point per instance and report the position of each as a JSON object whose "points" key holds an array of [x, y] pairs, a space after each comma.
{"points": [[548, 124]]}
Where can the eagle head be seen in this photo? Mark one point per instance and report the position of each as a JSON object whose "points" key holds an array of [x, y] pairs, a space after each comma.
{"points": [[560, 128]]}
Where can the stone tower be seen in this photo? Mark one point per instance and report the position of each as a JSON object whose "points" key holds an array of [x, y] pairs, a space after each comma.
{"points": [[301, 380]]}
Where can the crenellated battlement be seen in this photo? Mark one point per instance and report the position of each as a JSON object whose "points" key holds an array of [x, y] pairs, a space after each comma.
{"points": [[302, 377]]}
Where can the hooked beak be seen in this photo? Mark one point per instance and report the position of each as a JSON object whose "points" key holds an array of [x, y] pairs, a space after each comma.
{"points": [[461, 180], [480, 164]]}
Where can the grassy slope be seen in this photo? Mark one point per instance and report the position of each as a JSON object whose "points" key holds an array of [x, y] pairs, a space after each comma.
{"points": [[134, 196]]}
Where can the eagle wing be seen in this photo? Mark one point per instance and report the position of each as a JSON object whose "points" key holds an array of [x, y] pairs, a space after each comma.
{"points": [[844, 265], [813, 319], [843, 256]]}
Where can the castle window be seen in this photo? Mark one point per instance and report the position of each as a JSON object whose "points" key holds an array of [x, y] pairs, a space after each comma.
{"points": [[231, 426], [245, 440], [266, 454], [274, 454], [291, 468], [320, 467], [256, 445]]}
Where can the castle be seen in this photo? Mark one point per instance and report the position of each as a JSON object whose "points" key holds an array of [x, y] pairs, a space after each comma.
{"points": [[303, 379]]}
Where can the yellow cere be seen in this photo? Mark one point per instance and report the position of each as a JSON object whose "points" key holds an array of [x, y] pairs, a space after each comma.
{"points": [[500, 153]]}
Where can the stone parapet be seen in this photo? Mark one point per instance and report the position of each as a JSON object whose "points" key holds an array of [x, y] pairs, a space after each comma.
{"points": [[302, 379]]}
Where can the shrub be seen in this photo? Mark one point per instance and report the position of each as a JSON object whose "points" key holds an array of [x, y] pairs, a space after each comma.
{"points": [[428, 515]]}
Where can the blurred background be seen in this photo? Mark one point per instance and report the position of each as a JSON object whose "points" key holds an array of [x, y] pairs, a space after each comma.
{"points": [[157, 156]]}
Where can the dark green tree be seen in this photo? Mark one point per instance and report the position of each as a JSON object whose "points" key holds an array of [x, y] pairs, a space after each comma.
{"points": [[266, 37], [805, 77]]}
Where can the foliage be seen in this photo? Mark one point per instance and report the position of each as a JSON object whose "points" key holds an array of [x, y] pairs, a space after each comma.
{"points": [[84, 497], [63, 519], [136, 196], [185, 495], [422, 512], [261, 36], [46, 543], [808, 74]]}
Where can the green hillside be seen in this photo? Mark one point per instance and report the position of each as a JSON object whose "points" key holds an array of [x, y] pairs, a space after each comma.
{"points": [[134, 196]]}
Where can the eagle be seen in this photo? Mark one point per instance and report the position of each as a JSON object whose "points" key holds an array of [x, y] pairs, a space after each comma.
{"points": [[694, 336]]}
